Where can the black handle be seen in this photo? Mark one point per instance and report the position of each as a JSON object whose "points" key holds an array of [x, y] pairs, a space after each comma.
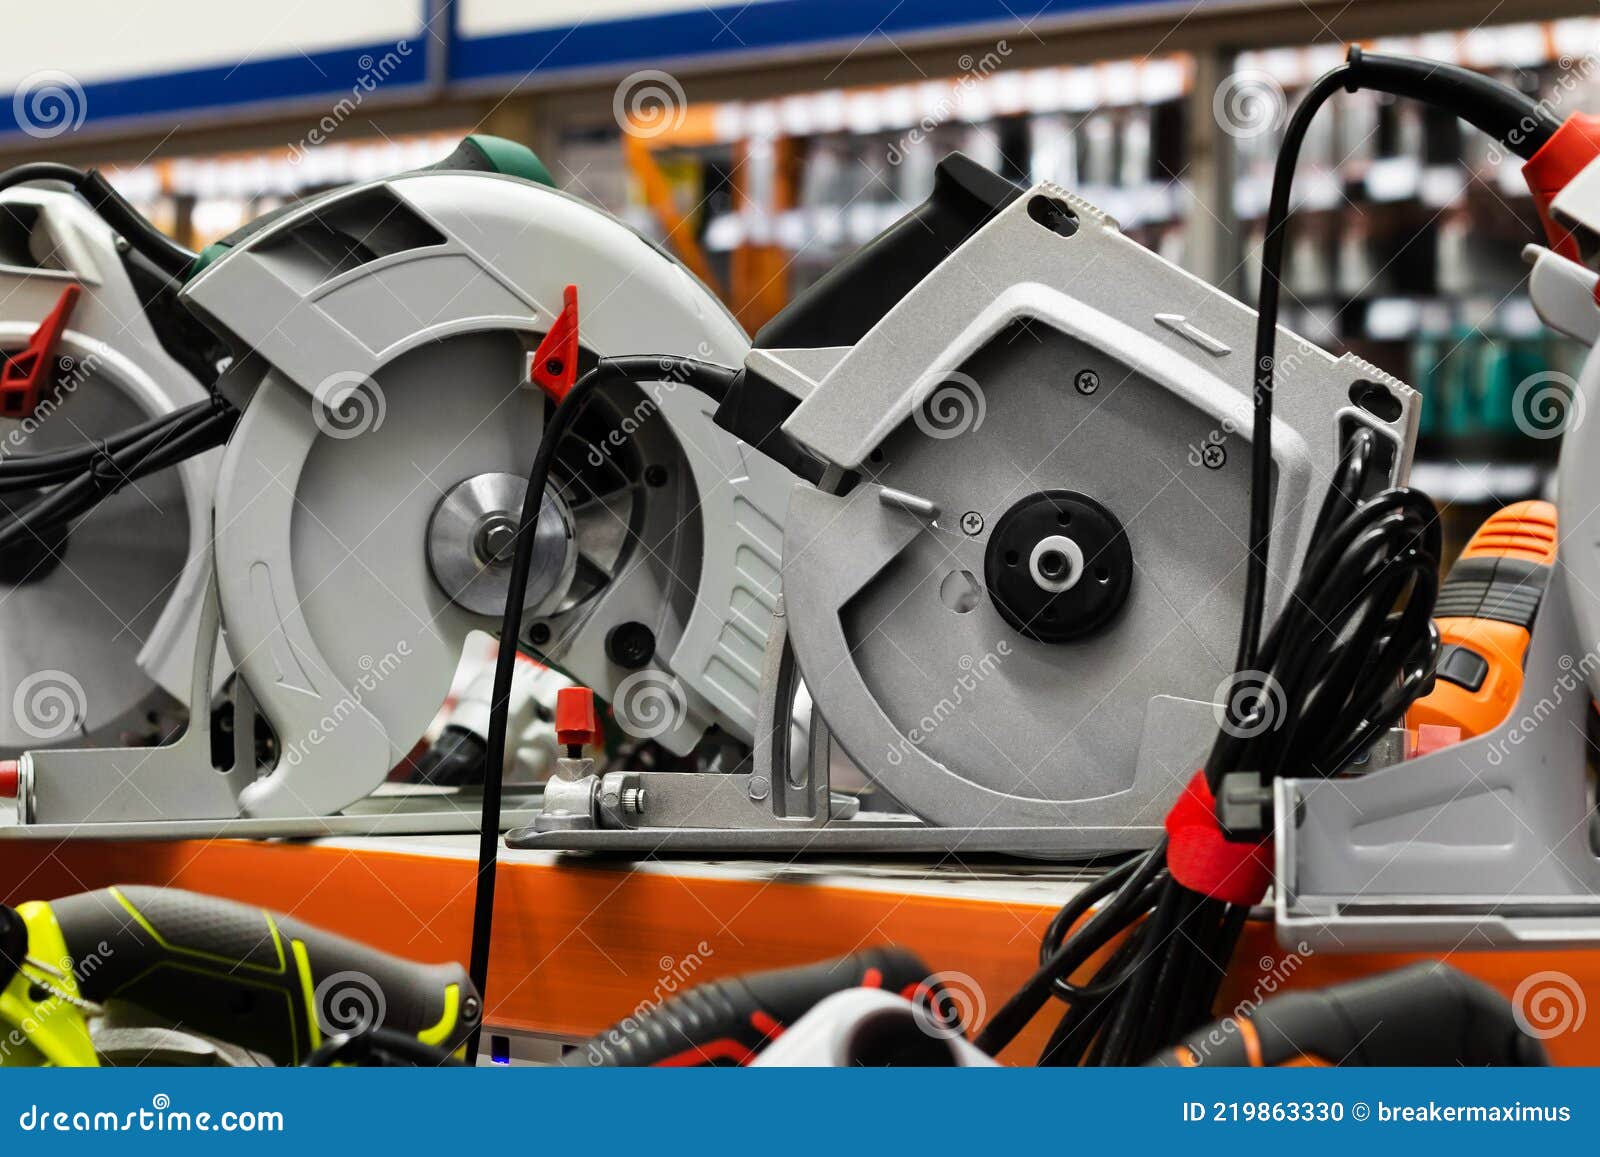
{"points": [[1428, 1014], [252, 977], [727, 1022]]}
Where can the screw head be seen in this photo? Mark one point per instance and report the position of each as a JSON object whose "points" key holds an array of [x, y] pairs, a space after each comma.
{"points": [[496, 540], [972, 522], [1086, 382], [1213, 456]]}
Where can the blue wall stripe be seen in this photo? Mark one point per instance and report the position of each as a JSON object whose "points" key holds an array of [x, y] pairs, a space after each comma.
{"points": [[731, 29], [725, 30]]}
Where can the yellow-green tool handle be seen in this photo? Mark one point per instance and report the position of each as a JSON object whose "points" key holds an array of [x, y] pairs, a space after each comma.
{"points": [[252, 977]]}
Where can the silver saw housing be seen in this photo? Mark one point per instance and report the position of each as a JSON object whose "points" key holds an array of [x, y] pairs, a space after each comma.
{"points": [[1015, 594], [381, 337]]}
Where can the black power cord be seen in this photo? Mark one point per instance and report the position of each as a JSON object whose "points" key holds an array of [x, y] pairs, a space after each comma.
{"points": [[1353, 647], [86, 475], [166, 254], [709, 379]]}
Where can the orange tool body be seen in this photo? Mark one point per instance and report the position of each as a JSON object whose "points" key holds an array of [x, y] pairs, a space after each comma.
{"points": [[1484, 612]]}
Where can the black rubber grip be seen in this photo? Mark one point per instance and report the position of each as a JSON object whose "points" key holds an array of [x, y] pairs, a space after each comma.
{"points": [[850, 298], [252, 977], [727, 1022], [1428, 1014], [1507, 590]]}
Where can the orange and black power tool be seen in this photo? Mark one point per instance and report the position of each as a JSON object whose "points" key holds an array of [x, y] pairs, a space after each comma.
{"points": [[1485, 612], [1428, 1014]]}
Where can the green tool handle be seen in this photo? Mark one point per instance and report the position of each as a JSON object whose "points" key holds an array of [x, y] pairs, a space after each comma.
{"points": [[252, 977]]}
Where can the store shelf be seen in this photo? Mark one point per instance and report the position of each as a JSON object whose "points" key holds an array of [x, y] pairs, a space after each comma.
{"points": [[581, 942]]}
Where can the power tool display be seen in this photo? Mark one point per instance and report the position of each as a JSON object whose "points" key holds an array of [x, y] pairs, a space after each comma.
{"points": [[1062, 551], [1009, 585], [365, 505], [134, 974]]}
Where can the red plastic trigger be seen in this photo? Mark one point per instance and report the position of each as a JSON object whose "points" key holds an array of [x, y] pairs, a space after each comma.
{"points": [[26, 373], [555, 362]]}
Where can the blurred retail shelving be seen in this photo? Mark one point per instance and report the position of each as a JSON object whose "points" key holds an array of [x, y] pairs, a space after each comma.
{"points": [[762, 197], [199, 199], [1407, 247]]}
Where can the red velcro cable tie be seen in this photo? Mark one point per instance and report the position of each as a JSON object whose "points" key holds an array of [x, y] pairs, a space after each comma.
{"points": [[1204, 860]]}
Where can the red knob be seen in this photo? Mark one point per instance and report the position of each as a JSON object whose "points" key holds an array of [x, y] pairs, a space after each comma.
{"points": [[10, 779], [576, 722]]}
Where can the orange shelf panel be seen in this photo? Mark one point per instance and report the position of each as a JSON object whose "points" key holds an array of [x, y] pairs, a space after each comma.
{"points": [[579, 944]]}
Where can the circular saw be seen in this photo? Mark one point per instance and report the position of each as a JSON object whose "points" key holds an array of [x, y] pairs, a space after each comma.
{"points": [[396, 347], [98, 613]]}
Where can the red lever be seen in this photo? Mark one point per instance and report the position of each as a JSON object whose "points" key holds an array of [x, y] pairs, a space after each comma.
{"points": [[555, 362], [10, 779], [1561, 158], [577, 725], [26, 373]]}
